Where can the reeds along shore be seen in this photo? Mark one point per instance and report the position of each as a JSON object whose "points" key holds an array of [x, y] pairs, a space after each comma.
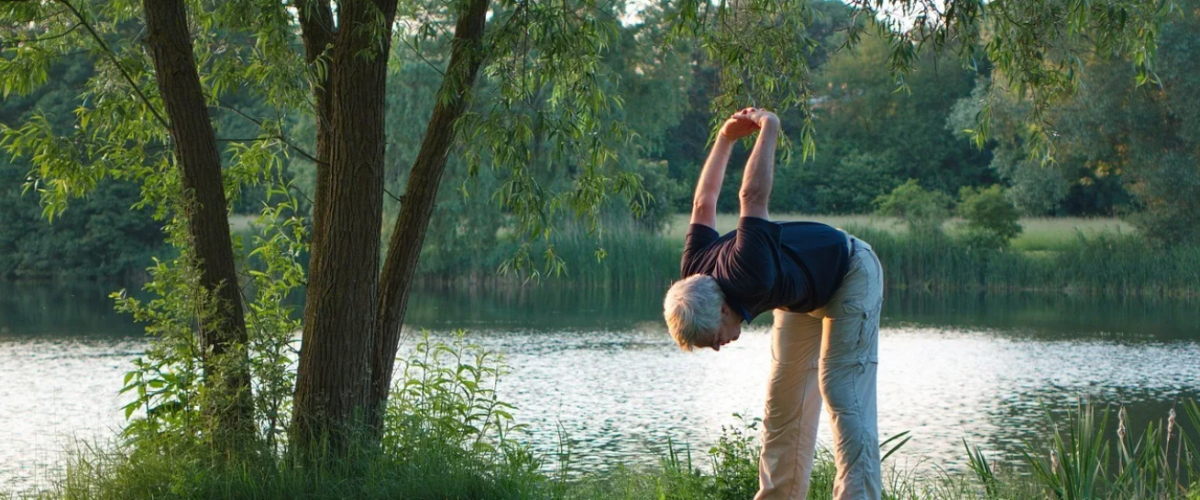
{"points": [[1113, 263]]}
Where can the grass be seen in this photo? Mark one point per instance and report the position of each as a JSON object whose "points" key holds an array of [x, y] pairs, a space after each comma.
{"points": [[1040, 233], [1097, 256], [1114, 265], [1080, 256], [442, 443]]}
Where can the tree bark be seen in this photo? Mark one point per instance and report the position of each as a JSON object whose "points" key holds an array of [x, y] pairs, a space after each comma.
{"points": [[417, 205], [333, 379], [317, 31], [199, 162]]}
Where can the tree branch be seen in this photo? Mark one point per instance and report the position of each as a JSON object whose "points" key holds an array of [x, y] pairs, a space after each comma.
{"points": [[418, 53], [286, 142], [113, 58], [14, 43]]}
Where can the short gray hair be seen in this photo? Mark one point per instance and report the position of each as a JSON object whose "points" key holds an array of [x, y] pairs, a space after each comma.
{"points": [[692, 309]]}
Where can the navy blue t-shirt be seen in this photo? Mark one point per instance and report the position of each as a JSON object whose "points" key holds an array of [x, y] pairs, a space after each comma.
{"points": [[765, 265]]}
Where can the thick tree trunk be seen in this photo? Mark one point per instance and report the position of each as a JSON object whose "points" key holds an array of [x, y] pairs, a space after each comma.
{"points": [[333, 380], [419, 197], [208, 224]]}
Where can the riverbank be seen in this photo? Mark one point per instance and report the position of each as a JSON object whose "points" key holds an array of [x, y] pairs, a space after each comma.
{"points": [[444, 441]]}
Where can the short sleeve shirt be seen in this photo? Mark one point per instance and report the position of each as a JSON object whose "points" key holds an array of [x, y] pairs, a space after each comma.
{"points": [[763, 265]]}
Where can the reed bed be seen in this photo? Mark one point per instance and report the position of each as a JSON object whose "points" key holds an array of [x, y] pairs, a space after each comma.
{"points": [[1104, 265], [1040, 233], [1083, 256]]}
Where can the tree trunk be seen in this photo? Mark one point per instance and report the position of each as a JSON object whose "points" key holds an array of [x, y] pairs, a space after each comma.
{"points": [[419, 197], [333, 379], [208, 223], [317, 29]]}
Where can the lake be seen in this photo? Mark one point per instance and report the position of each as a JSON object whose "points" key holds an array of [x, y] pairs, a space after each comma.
{"points": [[598, 365]]}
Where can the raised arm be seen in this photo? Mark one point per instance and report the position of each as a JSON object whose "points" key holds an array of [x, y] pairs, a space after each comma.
{"points": [[708, 188], [755, 194]]}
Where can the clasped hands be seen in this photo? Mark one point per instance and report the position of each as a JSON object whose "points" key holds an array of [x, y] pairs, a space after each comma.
{"points": [[746, 122]]}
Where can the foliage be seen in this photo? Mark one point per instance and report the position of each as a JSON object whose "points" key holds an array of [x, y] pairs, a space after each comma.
{"points": [[1169, 192], [167, 380], [870, 137], [447, 436], [1079, 460], [991, 219], [854, 182], [101, 238], [447, 396], [922, 210], [862, 111], [1120, 147], [1049, 256]]}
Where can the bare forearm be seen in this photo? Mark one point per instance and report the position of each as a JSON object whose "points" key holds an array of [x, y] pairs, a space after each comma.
{"points": [[760, 171], [708, 188]]}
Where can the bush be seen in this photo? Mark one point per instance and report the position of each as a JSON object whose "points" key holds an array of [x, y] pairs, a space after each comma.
{"points": [[1169, 195], [922, 210], [991, 218], [856, 181]]}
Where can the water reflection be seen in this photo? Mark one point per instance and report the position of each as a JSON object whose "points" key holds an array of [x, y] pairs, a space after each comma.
{"points": [[1045, 316], [60, 310], [985, 368], [599, 365]]}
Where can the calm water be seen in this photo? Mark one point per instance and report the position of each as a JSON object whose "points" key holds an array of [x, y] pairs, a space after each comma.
{"points": [[600, 365]]}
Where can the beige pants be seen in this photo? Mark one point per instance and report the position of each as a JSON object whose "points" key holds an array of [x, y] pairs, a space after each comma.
{"points": [[831, 354]]}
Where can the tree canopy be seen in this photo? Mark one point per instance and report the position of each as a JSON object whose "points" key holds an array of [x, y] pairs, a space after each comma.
{"points": [[548, 105]]}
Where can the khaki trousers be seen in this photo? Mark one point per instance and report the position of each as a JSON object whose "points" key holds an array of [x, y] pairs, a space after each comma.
{"points": [[830, 354]]}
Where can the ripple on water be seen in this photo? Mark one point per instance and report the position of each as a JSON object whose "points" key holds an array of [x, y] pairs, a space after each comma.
{"points": [[55, 391], [620, 394]]}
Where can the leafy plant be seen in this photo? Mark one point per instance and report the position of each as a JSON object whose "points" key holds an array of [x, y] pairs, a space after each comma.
{"points": [[922, 210], [991, 219], [447, 401]]}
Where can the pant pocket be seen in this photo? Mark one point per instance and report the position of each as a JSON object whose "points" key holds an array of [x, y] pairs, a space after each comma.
{"points": [[845, 342]]}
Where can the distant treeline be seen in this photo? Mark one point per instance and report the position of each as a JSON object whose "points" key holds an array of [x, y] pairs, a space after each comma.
{"points": [[1120, 149]]}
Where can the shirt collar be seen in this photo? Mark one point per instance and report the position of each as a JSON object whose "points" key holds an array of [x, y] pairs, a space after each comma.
{"points": [[740, 310]]}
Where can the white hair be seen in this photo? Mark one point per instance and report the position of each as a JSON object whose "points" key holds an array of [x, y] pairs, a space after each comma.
{"points": [[692, 309]]}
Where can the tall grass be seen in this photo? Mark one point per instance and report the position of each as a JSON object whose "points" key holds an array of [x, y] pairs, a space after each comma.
{"points": [[619, 255], [1039, 233], [1089, 263], [1102, 265], [448, 437]]}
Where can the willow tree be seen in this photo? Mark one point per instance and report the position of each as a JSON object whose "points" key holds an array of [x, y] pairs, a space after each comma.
{"points": [[162, 67]]}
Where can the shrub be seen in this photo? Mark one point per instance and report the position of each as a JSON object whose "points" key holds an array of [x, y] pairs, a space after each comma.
{"points": [[855, 182], [991, 218], [922, 210], [1168, 192]]}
